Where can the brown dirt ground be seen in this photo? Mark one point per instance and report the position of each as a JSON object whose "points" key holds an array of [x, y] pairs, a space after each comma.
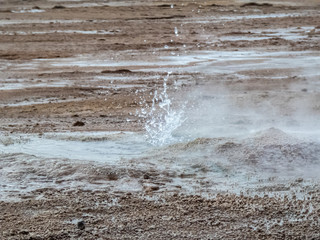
{"points": [[136, 30]]}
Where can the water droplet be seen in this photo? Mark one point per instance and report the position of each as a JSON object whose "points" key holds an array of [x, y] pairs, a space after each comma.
{"points": [[176, 31]]}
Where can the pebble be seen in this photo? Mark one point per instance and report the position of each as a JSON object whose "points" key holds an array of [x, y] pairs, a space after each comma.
{"points": [[78, 124], [81, 225]]}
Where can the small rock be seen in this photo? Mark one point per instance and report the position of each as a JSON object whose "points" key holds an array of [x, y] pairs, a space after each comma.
{"points": [[116, 71], [81, 225], [58, 7], [152, 188], [24, 232], [167, 218], [78, 124]]}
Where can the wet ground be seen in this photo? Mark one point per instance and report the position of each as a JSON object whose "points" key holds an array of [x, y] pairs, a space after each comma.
{"points": [[159, 120]]}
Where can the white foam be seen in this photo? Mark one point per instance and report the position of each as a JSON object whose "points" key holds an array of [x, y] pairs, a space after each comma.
{"points": [[29, 11], [88, 32]]}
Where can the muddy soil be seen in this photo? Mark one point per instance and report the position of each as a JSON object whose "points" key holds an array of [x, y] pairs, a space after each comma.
{"points": [[99, 215], [90, 66]]}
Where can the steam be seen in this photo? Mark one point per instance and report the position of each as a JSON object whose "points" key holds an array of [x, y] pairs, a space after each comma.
{"points": [[220, 111]]}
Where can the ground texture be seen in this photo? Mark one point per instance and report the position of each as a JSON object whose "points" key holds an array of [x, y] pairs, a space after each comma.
{"points": [[51, 80]]}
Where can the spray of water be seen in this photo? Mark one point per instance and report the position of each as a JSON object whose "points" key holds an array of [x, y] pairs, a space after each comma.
{"points": [[162, 119]]}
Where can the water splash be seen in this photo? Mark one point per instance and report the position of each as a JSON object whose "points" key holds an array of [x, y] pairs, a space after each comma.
{"points": [[162, 118]]}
